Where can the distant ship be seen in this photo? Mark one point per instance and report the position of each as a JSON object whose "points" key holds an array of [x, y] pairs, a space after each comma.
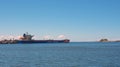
{"points": [[27, 38]]}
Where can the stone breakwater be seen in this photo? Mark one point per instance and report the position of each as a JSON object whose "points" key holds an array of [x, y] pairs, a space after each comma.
{"points": [[8, 42]]}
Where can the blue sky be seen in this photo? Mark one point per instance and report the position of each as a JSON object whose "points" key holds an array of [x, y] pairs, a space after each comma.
{"points": [[78, 20]]}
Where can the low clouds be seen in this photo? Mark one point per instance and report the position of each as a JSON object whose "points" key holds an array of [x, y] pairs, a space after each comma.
{"points": [[46, 37], [61, 37]]}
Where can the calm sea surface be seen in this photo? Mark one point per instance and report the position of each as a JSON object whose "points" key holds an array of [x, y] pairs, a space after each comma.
{"points": [[83, 54]]}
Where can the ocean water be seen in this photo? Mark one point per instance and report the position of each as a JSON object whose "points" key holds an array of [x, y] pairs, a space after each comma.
{"points": [[75, 54]]}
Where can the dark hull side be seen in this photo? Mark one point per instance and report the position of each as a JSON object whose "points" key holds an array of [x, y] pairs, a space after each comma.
{"points": [[44, 41]]}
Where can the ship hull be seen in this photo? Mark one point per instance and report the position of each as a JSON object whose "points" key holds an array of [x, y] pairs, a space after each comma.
{"points": [[44, 41]]}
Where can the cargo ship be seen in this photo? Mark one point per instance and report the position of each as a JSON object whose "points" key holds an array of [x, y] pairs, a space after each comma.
{"points": [[27, 38]]}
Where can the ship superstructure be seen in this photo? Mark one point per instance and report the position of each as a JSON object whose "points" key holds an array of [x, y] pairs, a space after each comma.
{"points": [[26, 37]]}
